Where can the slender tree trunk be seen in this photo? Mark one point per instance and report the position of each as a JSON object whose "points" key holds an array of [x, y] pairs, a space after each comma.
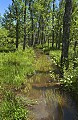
{"points": [[40, 29], [17, 25], [39, 26], [17, 28], [42, 38], [29, 42], [75, 44], [59, 38], [56, 39], [38, 32], [32, 22], [53, 24], [74, 55], [17, 34], [66, 34], [24, 27], [32, 39]]}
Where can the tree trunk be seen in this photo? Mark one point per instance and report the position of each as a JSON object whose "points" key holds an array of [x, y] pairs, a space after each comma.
{"points": [[56, 39], [53, 24], [75, 44], [42, 36], [24, 27], [17, 34], [17, 28], [59, 38], [66, 34], [39, 26], [17, 25], [32, 39], [32, 22], [38, 32], [74, 55]]}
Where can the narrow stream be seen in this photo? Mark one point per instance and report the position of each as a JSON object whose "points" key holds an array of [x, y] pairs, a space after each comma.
{"points": [[51, 102]]}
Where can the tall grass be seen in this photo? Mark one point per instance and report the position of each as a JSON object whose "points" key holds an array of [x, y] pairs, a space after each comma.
{"points": [[14, 66]]}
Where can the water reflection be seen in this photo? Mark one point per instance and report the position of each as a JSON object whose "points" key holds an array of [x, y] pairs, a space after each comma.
{"points": [[52, 103]]}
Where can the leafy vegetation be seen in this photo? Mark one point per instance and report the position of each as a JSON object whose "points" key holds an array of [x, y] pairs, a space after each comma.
{"points": [[6, 43], [70, 75], [11, 109], [15, 66], [69, 80], [55, 56]]}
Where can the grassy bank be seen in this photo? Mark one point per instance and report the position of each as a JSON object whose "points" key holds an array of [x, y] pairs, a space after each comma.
{"points": [[14, 68], [70, 79]]}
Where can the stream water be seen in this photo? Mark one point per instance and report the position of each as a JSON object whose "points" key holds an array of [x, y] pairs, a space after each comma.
{"points": [[51, 102]]}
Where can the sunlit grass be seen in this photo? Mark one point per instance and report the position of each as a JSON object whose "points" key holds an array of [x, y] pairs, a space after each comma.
{"points": [[43, 64], [15, 66]]}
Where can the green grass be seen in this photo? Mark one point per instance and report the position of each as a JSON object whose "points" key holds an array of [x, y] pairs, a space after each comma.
{"points": [[12, 109], [14, 66]]}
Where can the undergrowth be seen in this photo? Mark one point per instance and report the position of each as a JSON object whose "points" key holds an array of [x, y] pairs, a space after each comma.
{"points": [[55, 56], [70, 79], [14, 66], [12, 109]]}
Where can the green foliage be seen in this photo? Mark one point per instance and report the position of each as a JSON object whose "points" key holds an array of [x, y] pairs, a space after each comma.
{"points": [[74, 25], [15, 66], [6, 42], [3, 36], [55, 56], [70, 79], [11, 109], [3, 33]]}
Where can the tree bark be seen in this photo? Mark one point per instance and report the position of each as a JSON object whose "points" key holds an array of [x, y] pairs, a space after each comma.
{"points": [[32, 22], [39, 26], [17, 34], [42, 36], [66, 33], [17, 25], [53, 24], [59, 41], [24, 44]]}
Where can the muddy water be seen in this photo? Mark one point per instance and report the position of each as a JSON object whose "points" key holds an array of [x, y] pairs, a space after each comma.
{"points": [[51, 103]]}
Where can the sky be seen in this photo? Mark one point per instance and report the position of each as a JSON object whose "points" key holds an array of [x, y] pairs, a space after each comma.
{"points": [[5, 3]]}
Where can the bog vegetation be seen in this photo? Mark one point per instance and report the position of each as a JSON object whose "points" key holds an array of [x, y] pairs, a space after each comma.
{"points": [[29, 24]]}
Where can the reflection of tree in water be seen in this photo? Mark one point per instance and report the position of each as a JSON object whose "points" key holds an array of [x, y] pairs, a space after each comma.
{"points": [[41, 78], [52, 105]]}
